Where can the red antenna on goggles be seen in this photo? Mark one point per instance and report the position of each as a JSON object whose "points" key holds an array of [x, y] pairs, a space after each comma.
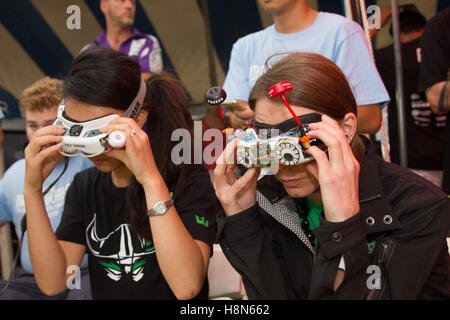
{"points": [[279, 90]]}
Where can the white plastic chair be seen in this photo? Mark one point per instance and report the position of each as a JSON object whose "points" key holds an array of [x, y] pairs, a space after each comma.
{"points": [[224, 282]]}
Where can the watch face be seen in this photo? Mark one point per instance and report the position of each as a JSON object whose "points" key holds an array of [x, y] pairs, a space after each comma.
{"points": [[160, 208]]}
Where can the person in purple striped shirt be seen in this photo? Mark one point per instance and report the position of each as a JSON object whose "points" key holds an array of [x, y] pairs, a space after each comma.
{"points": [[120, 35]]}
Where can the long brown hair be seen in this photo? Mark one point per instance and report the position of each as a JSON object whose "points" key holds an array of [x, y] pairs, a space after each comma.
{"points": [[318, 84]]}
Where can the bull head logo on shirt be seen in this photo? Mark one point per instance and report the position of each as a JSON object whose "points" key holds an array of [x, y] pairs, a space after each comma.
{"points": [[123, 251]]}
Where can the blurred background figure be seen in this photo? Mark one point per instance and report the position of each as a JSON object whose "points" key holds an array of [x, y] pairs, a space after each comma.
{"points": [[435, 76], [297, 27], [38, 105], [424, 129], [120, 35]]}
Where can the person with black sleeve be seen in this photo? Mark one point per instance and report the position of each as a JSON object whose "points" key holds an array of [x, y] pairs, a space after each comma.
{"points": [[424, 129], [346, 225], [435, 76]]}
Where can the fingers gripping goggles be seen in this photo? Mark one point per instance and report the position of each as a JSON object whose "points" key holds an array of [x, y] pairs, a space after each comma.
{"points": [[85, 139], [285, 143], [261, 145]]}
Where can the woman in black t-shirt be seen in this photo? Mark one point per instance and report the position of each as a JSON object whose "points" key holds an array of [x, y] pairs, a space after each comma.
{"points": [[146, 223]]}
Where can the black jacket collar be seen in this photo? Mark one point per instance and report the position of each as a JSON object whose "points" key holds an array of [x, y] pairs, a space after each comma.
{"points": [[375, 208]]}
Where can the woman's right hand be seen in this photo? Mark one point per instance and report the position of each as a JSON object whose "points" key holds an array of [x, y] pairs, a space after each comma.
{"points": [[42, 155], [235, 195]]}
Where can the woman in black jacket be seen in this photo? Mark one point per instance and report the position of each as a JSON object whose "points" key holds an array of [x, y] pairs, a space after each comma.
{"points": [[347, 225]]}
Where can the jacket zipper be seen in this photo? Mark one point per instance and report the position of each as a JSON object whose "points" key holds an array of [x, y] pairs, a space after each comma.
{"points": [[383, 260]]}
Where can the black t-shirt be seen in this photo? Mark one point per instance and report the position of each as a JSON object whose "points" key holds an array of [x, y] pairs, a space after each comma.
{"points": [[424, 129], [435, 68], [122, 264]]}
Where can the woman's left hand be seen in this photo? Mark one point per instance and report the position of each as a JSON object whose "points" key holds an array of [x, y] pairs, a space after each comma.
{"points": [[137, 154], [338, 174]]}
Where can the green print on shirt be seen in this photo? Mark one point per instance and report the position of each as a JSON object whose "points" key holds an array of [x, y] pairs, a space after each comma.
{"points": [[122, 252], [112, 265], [201, 221], [149, 246]]}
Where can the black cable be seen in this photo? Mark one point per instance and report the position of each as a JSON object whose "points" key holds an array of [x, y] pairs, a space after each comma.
{"points": [[23, 228]]}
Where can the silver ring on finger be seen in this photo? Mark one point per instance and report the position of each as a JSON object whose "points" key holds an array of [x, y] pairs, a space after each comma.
{"points": [[133, 132]]}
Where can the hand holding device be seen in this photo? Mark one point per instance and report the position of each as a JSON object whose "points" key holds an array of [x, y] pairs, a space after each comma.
{"points": [[85, 138], [289, 147], [116, 139]]}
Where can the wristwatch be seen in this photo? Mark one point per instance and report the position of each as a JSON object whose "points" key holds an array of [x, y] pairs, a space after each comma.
{"points": [[160, 208]]}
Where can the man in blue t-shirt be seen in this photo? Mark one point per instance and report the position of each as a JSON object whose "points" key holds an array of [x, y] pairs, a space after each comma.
{"points": [[299, 28], [39, 106]]}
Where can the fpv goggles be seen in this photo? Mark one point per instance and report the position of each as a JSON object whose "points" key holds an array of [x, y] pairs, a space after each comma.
{"points": [[85, 139], [262, 145], [285, 143]]}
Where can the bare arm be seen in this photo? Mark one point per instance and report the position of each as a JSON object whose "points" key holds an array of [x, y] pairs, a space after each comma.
{"points": [[433, 95], [369, 118], [183, 260], [49, 257]]}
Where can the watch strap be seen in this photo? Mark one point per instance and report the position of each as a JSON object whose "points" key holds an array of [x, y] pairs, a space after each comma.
{"points": [[152, 212]]}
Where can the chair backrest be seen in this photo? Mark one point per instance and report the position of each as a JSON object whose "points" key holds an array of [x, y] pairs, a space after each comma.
{"points": [[224, 281]]}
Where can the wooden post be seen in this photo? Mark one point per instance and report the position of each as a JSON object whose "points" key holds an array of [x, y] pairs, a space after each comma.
{"points": [[6, 250]]}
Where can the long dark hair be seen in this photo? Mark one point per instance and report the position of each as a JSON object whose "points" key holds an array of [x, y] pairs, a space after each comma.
{"points": [[107, 78], [168, 108]]}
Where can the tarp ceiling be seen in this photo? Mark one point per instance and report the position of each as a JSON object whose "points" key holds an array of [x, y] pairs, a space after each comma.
{"points": [[35, 40]]}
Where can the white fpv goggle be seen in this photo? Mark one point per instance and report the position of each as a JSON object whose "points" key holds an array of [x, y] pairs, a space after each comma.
{"points": [[85, 139]]}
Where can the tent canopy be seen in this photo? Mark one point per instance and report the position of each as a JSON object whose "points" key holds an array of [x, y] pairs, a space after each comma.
{"points": [[37, 42]]}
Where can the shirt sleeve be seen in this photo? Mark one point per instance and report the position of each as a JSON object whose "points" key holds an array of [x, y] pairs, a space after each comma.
{"points": [[236, 82], [150, 55], [5, 212], [197, 206], [155, 57], [71, 227], [352, 55]]}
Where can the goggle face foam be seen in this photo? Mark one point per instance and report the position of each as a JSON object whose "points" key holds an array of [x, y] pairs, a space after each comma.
{"points": [[85, 139]]}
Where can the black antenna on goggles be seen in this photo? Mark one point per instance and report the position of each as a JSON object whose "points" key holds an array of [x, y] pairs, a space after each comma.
{"points": [[215, 96]]}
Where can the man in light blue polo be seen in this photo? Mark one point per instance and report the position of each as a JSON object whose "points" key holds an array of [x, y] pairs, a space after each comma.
{"points": [[297, 27], [120, 35]]}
